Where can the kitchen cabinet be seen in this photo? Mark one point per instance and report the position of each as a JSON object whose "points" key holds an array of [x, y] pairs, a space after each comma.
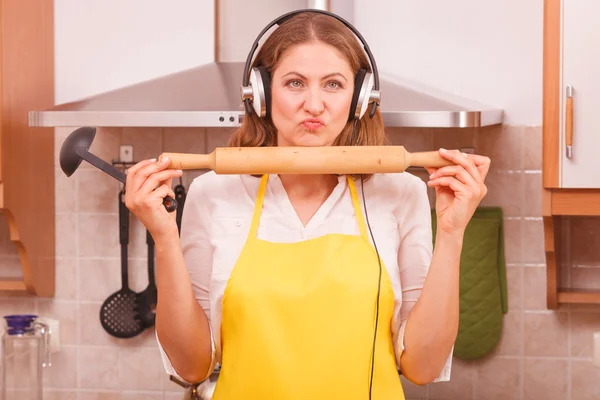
{"points": [[27, 154], [571, 130]]}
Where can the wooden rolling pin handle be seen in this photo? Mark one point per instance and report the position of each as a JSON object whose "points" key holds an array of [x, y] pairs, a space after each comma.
{"points": [[427, 159], [185, 161]]}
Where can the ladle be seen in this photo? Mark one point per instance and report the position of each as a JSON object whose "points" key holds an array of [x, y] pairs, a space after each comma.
{"points": [[76, 148]]}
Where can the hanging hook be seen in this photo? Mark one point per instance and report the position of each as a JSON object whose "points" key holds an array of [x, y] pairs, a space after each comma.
{"points": [[125, 172], [123, 167]]}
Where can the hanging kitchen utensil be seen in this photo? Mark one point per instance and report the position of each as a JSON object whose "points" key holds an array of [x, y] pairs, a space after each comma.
{"points": [[180, 198], [117, 314], [75, 148], [307, 160], [146, 300]]}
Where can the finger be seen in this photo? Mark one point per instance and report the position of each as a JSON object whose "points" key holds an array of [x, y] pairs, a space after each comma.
{"points": [[459, 172], [163, 191], [130, 173], [155, 199], [462, 159], [133, 169], [159, 178], [478, 159], [169, 184], [144, 172], [451, 182], [431, 170], [482, 163]]}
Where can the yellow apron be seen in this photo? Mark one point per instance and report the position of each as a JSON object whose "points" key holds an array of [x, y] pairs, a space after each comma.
{"points": [[298, 319]]}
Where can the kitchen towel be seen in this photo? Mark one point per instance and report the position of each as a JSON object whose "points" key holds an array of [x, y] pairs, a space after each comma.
{"points": [[483, 286]]}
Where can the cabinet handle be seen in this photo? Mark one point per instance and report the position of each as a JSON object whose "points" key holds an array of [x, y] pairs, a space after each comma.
{"points": [[569, 122]]}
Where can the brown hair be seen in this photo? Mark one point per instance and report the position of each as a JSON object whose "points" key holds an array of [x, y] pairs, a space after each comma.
{"points": [[301, 28]]}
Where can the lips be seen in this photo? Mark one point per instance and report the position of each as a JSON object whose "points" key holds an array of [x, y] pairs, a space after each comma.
{"points": [[312, 123]]}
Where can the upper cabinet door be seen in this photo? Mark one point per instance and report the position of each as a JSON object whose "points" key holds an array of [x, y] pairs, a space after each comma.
{"points": [[105, 45], [580, 95]]}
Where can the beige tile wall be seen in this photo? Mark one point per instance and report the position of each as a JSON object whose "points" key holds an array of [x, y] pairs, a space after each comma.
{"points": [[542, 354]]}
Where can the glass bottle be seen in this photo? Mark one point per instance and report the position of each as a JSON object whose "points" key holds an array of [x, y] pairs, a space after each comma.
{"points": [[25, 352]]}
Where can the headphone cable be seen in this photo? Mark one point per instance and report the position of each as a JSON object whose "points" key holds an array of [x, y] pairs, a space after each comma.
{"points": [[362, 189], [378, 286]]}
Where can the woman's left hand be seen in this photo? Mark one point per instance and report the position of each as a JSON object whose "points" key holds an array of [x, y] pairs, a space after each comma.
{"points": [[459, 189]]}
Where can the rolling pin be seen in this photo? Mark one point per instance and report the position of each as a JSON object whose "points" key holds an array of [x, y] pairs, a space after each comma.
{"points": [[307, 160]]}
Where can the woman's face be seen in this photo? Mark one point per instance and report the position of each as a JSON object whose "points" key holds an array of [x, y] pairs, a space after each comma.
{"points": [[311, 94]]}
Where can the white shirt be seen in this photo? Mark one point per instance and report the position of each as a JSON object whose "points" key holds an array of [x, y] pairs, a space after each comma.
{"points": [[216, 222]]}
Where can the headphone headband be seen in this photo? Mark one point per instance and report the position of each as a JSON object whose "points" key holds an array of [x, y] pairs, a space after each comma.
{"points": [[285, 17]]}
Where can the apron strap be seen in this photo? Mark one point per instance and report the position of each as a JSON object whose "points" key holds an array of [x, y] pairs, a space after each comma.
{"points": [[258, 206], [359, 215]]}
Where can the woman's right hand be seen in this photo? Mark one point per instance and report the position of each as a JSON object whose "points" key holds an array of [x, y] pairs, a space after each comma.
{"points": [[148, 183]]}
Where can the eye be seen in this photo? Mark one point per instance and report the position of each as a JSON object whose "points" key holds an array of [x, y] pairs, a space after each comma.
{"points": [[294, 83], [334, 85]]}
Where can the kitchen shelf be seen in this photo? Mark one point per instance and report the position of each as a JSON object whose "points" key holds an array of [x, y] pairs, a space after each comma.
{"points": [[558, 203], [13, 285], [580, 296]]}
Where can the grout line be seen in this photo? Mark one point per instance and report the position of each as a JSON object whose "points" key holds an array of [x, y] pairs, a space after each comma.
{"points": [[547, 358], [521, 132], [566, 228], [522, 344], [523, 312], [475, 380], [77, 276], [97, 258], [91, 214], [586, 266], [57, 389], [569, 342], [545, 311], [533, 265]]}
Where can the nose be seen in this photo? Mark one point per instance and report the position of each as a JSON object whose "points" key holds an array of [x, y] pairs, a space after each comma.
{"points": [[314, 101]]}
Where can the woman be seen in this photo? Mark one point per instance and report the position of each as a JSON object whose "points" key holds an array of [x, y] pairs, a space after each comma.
{"points": [[278, 278]]}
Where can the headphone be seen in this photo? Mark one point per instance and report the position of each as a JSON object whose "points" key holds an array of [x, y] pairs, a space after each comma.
{"points": [[256, 85]]}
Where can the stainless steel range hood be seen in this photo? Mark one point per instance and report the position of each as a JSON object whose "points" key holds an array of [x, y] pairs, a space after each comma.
{"points": [[209, 96]]}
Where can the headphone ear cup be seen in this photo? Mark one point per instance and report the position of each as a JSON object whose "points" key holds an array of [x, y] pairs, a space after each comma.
{"points": [[358, 83], [363, 87], [364, 96], [258, 99], [266, 91], [260, 81]]}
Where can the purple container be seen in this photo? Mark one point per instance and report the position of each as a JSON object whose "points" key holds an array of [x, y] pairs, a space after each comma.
{"points": [[19, 324]]}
